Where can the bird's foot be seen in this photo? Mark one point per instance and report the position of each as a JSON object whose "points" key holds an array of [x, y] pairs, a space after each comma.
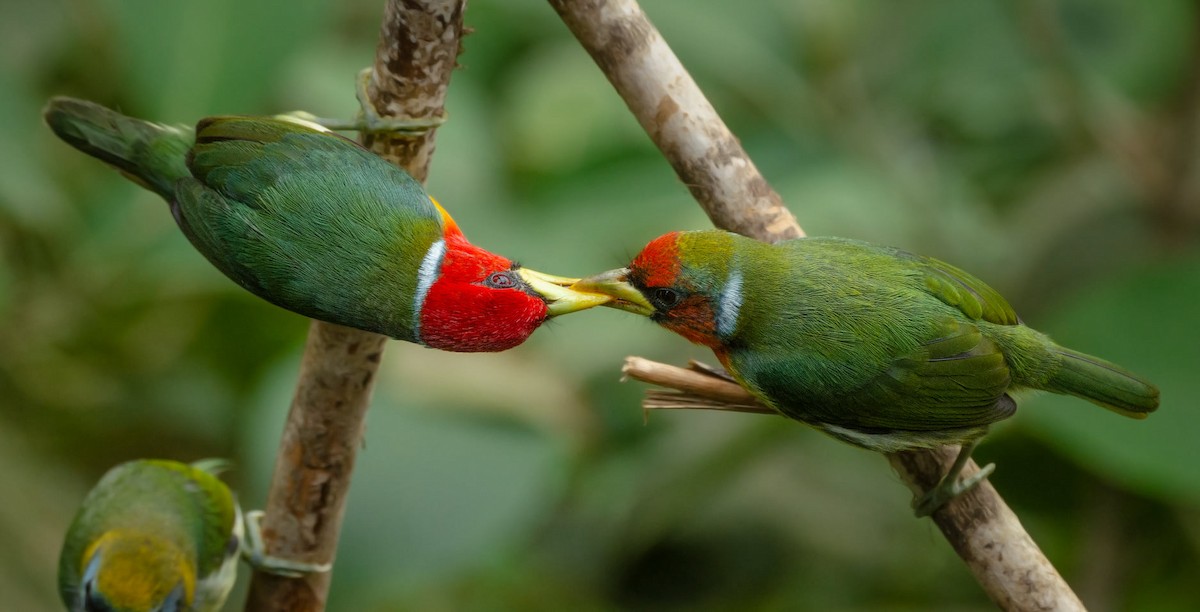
{"points": [[947, 490], [254, 553], [950, 486], [369, 120]]}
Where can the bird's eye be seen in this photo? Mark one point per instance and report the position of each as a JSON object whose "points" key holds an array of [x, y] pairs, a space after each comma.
{"points": [[500, 280], [664, 298]]}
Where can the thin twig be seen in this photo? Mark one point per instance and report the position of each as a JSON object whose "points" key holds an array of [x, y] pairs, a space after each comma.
{"points": [[419, 41], [706, 156]]}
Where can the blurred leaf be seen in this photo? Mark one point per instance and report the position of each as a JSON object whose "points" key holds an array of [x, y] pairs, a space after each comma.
{"points": [[558, 111], [1145, 322], [436, 492], [1139, 47], [196, 58], [29, 196], [962, 64], [33, 528]]}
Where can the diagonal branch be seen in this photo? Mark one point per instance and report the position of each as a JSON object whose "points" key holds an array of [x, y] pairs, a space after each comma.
{"points": [[418, 47], [710, 161]]}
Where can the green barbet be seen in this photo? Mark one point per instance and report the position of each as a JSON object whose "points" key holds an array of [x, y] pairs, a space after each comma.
{"points": [[159, 535], [872, 345], [316, 224], [152, 535]]}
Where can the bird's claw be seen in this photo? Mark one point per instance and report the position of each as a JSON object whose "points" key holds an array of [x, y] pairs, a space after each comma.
{"points": [[254, 553], [947, 490], [369, 120], [950, 486]]}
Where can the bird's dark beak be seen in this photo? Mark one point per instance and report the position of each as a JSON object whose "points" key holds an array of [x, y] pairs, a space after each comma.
{"points": [[561, 298], [615, 284]]}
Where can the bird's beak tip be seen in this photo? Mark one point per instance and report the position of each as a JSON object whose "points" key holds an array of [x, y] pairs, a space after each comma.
{"points": [[615, 284], [560, 294]]}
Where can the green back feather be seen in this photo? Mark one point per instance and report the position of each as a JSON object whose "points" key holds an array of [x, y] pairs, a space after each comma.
{"points": [[309, 221], [300, 216]]}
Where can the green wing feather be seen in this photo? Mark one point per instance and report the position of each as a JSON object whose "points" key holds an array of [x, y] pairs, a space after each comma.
{"points": [[973, 297], [955, 381], [308, 220], [212, 508]]}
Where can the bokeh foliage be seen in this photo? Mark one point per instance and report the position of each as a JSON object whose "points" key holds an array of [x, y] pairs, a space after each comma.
{"points": [[1049, 146]]}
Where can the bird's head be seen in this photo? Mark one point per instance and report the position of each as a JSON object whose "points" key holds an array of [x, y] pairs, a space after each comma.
{"points": [[475, 300], [135, 571], [683, 281]]}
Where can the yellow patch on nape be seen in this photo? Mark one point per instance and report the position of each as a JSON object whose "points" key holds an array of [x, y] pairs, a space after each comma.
{"points": [[447, 220], [138, 570]]}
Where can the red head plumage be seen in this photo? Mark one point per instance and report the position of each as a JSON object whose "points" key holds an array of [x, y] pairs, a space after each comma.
{"points": [[479, 302], [668, 270], [658, 263]]}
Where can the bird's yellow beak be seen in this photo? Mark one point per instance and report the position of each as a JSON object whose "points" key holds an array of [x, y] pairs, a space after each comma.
{"points": [[561, 298], [615, 285]]}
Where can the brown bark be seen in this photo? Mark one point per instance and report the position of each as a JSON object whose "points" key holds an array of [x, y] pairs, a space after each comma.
{"points": [[709, 160], [419, 41]]}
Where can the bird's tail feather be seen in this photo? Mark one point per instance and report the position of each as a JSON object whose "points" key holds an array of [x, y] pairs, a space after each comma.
{"points": [[152, 155], [1104, 384]]}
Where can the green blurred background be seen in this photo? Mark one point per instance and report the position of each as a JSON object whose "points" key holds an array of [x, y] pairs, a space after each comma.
{"points": [[1050, 147]]}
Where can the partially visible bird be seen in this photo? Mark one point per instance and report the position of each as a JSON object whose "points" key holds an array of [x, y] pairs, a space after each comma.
{"points": [[152, 535], [314, 223], [872, 345]]}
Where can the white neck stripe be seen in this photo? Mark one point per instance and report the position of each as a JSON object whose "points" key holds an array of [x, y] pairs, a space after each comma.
{"points": [[427, 274], [730, 304]]}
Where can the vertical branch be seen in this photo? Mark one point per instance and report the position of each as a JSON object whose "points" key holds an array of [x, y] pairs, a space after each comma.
{"points": [[418, 50], [710, 161], [307, 497], [419, 41]]}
